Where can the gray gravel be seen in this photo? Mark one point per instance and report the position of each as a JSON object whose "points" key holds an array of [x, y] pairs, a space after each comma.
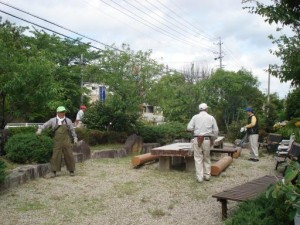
{"points": [[110, 191]]}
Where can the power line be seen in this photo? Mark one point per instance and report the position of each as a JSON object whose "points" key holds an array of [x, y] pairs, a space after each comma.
{"points": [[175, 23], [51, 30], [180, 18], [55, 25], [148, 24]]}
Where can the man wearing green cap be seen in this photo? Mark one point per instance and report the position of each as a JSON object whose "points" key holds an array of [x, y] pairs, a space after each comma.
{"points": [[62, 129]]}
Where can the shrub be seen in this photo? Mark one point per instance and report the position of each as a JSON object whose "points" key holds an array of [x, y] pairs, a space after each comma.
{"points": [[164, 133], [96, 137], [2, 171], [29, 148], [19, 130], [262, 211], [288, 189]]}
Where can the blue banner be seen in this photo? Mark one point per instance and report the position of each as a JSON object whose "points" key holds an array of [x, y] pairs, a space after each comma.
{"points": [[102, 94]]}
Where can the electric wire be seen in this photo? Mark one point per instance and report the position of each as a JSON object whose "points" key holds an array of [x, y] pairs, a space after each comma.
{"points": [[164, 32], [181, 18], [84, 36], [175, 23], [81, 35], [43, 27]]}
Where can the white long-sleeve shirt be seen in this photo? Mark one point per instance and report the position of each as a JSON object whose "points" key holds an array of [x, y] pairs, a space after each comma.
{"points": [[203, 124]]}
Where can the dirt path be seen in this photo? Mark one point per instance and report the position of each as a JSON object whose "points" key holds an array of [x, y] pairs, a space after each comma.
{"points": [[110, 191]]}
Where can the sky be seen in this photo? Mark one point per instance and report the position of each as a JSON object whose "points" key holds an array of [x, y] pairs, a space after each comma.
{"points": [[178, 32]]}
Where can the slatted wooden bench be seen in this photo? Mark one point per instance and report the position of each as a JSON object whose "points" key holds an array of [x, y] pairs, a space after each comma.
{"points": [[292, 153], [272, 142], [244, 192]]}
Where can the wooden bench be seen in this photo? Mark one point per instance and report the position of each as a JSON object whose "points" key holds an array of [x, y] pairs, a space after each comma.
{"points": [[272, 142], [244, 192], [166, 153], [293, 153]]}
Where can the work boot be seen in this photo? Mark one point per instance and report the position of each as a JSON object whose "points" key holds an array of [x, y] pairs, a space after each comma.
{"points": [[50, 175], [206, 178]]}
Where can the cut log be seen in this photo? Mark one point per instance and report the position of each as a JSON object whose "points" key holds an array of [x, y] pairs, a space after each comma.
{"points": [[141, 159], [221, 165]]}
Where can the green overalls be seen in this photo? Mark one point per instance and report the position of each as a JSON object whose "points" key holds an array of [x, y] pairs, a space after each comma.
{"points": [[62, 146]]}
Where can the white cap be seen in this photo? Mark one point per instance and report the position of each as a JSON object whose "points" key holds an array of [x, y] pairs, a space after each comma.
{"points": [[203, 106]]}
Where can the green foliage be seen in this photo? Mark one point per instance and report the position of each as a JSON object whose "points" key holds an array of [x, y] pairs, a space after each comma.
{"points": [[288, 189], [178, 98], [29, 148], [283, 13], [18, 130], [274, 111], [109, 116], [292, 127], [229, 93], [262, 211], [293, 104], [3, 172], [97, 137], [38, 71], [164, 133]]}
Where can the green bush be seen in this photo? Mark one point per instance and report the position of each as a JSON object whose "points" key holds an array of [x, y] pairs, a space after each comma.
{"points": [[164, 133], [97, 137], [2, 171], [290, 128], [29, 148], [262, 211], [21, 130]]}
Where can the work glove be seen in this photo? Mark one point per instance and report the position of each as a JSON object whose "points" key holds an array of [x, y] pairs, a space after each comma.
{"points": [[38, 132], [243, 129], [75, 140]]}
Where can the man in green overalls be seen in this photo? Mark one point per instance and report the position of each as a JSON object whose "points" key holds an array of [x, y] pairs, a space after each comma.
{"points": [[63, 130]]}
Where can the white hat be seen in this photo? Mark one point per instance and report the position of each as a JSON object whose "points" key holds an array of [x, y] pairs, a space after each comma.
{"points": [[203, 106]]}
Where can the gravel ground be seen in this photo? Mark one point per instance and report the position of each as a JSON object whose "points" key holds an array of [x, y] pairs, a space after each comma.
{"points": [[110, 191]]}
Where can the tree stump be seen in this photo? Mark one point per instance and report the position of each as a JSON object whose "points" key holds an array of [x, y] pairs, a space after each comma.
{"points": [[134, 143]]}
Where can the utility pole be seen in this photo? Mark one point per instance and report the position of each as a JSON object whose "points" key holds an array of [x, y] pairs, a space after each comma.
{"points": [[220, 53], [269, 82], [81, 74]]}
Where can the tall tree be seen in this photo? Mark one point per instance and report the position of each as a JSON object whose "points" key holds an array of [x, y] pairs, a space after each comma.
{"points": [[37, 73], [228, 93], [283, 13], [128, 76]]}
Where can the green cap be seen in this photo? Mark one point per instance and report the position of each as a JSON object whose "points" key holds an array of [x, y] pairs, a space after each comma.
{"points": [[60, 109]]}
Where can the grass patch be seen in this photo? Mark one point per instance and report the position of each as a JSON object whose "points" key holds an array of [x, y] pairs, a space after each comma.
{"points": [[28, 206], [106, 147], [127, 188], [9, 165], [157, 212]]}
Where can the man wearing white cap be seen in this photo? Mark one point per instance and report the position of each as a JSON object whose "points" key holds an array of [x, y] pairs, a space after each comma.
{"points": [[205, 129], [62, 129]]}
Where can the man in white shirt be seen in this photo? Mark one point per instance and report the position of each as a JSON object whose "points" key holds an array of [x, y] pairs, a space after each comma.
{"points": [[205, 129]]}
